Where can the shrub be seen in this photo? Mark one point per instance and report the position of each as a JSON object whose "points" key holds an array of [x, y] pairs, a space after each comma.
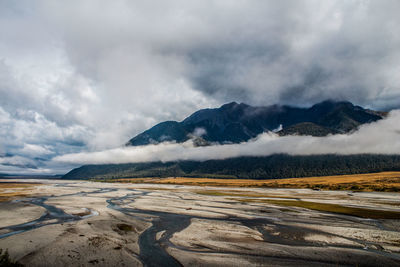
{"points": [[6, 261]]}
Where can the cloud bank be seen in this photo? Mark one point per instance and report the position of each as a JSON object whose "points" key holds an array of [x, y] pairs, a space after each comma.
{"points": [[382, 137], [89, 75]]}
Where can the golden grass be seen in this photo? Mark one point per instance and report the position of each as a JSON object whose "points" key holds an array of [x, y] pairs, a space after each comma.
{"points": [[383, 181], [11, 190], [10, 196], [5, 185], [131, 180]]}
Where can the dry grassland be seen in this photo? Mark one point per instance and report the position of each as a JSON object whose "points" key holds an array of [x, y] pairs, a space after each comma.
{"points": [[383, 181], [10, 190]]}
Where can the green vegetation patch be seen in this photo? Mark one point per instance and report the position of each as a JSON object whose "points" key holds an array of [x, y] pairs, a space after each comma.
{"points": [[237, 194], [333, 208], [163, 189], [125, 227]]}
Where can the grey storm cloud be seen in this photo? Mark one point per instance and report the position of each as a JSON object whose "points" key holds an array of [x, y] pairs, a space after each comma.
{"points": [[89, 75]]}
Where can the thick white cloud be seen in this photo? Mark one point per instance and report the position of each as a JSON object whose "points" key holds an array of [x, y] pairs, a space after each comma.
{"points": [[382, 137], [96, 73]]}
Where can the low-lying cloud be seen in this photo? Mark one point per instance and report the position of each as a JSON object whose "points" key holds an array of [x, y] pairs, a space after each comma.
{"points": [[381, 137]]}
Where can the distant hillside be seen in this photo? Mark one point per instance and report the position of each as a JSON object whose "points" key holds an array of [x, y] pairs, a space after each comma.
{"points": [[275, 166], [234, 123]]}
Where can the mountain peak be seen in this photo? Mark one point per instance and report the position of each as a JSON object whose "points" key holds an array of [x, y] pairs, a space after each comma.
{"points": [[233, 105], [229, 105], [330, 103]]}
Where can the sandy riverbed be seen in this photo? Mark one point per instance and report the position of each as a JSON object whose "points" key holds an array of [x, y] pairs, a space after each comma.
{"points": [[77, 223]]}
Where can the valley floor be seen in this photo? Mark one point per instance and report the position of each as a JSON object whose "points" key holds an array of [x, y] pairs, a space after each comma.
{"points": [[382, 182], [81, 223]]}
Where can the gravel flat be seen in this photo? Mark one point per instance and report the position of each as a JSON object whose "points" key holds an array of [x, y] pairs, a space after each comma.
{"points": [[80, 223]]}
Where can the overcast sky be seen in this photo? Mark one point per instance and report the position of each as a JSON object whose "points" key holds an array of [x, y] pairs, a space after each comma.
{"points": [[83, 76]]}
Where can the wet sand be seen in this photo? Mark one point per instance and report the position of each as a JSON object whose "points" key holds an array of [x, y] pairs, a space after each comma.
{"points": [[80, 223]]}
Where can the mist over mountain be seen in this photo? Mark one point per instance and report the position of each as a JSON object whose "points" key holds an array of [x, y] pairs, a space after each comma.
{"points": [[235, 123], [241, 141]]}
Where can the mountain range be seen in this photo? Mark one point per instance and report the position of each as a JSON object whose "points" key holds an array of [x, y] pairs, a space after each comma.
{"points": [[235, 123]]}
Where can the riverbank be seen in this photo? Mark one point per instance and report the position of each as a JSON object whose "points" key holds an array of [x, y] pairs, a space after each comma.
{"points": [[81, 223]]}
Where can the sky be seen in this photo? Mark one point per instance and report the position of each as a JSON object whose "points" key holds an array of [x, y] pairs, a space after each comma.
{"points": [[86, 76]]}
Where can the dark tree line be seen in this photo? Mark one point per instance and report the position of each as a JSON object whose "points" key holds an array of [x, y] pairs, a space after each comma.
{"points": [[275, 166]]}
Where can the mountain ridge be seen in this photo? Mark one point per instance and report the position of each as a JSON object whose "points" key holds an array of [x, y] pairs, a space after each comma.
{"points": [[238, 122]]}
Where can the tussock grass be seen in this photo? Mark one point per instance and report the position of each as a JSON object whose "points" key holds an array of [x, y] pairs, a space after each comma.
{"points": [[6, 185], [382, 182], [10, 196], [10, 190]]}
